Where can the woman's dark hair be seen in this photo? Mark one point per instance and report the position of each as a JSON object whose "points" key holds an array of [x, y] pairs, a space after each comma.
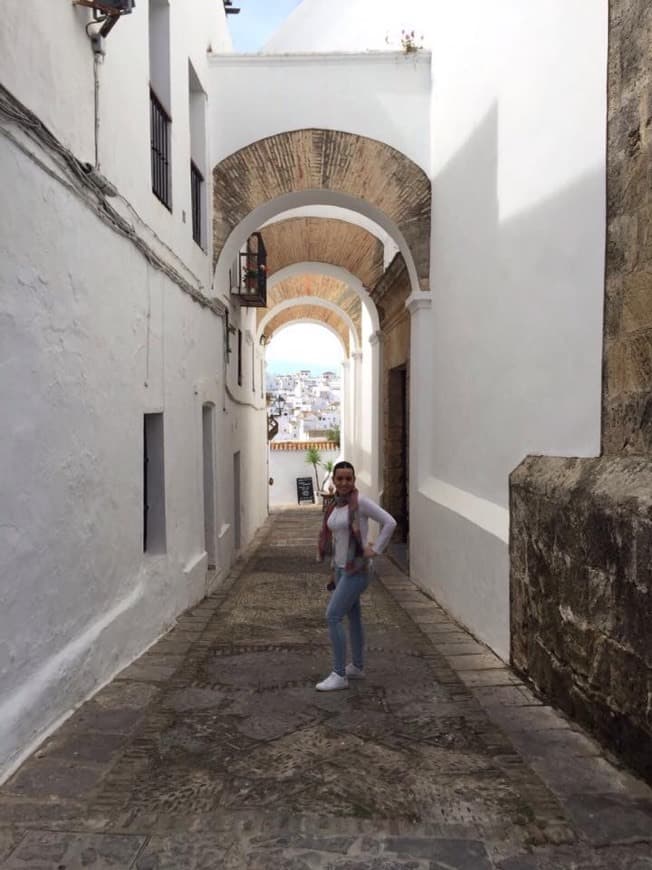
{"points": [[343, 464]]}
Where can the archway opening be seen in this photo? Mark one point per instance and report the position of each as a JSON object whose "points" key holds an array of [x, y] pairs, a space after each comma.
{"points": [[304, 389]]}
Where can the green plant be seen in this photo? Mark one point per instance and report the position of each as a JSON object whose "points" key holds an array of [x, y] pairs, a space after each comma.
{"points": [[313, 457], [409, 41], [333, 435]]}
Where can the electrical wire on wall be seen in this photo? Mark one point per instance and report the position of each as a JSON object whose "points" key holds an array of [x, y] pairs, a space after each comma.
{"points": [[80, 179]]}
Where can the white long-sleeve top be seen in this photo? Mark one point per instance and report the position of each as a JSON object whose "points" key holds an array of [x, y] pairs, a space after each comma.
{"points": [[338, 523]]}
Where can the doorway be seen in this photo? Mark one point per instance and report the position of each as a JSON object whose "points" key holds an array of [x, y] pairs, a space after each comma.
{"points": [[396, 476]]}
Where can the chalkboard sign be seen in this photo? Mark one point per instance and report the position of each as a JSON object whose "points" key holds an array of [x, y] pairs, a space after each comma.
{"points": [[305, 490]]}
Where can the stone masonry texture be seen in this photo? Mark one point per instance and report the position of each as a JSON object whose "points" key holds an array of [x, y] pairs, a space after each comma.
{"points": [[213, 750], [580, 533], [627, 391], [581, 565], [389, 296], [325, 160]]}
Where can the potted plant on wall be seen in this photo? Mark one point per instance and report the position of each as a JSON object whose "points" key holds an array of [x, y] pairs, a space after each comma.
{"points": [[409, 42]]}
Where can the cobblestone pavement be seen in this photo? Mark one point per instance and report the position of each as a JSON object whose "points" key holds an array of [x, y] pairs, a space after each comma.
{"points": [[214, 751]]}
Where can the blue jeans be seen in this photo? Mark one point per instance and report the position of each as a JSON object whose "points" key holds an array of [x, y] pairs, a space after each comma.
{"points": [[345, 601]]}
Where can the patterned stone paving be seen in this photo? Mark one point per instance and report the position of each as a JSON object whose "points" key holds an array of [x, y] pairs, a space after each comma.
{"points": [[214, 750]]}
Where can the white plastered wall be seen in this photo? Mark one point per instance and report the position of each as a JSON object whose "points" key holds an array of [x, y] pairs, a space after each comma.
{"points": [[285, 466], [261, 95], [517, 258], [46, 62], [91, 339]]}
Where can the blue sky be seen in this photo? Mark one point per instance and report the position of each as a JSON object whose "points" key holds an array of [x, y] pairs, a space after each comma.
{"points": [[256, 22]]}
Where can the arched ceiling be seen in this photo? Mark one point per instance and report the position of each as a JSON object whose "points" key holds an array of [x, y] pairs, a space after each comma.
{"points": [[310, 313], [324, 240], [322, 286], [329, 161]]}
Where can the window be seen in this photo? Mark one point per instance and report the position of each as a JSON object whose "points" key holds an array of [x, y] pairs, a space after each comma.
{"points": [[154, 538], [159, 100], [197, 114], [196, 190]]}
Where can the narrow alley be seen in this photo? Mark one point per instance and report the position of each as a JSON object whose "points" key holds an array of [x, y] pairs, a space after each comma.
{"points": [[214, 750]]}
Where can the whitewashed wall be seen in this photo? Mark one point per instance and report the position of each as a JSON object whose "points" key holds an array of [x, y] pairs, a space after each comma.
{"points": [[285, 466], [390, 100], [517, 257], [47, 63], [91, 339]]}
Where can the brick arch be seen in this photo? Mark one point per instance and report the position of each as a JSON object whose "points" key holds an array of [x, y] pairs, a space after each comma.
{"points": [[324, 240], [310, 313], [325, 160], [320, 286]]}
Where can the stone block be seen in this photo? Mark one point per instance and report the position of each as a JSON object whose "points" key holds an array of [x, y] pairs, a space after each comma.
{"points": [[637, 301]]}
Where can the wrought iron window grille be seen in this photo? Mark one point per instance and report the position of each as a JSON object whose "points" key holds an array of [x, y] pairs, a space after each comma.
{"points": [[160, 147], [196, 187], [251, 290]]}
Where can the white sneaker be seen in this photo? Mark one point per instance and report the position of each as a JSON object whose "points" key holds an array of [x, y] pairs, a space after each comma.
{"points": [[332, 683], [354, 673]]}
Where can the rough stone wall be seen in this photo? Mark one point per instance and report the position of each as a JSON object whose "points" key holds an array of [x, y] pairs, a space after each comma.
{"points": [[627, 392], [581, 529], [581, 551], [325, 160], [389, 296]]}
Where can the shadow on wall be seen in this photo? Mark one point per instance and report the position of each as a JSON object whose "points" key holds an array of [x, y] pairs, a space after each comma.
{"points": [[515, 366], [517, 356]]}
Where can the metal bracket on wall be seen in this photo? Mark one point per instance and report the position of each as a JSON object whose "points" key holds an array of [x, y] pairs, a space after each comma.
{"points": [[107, 12]]}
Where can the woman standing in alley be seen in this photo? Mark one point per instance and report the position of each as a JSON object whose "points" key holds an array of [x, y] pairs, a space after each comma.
{"points": [[343, 536]]}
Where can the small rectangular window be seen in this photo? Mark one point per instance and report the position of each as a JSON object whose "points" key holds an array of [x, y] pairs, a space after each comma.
{"points": [[160, 100], [197, 115], [154, 537], [196, 197]]}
